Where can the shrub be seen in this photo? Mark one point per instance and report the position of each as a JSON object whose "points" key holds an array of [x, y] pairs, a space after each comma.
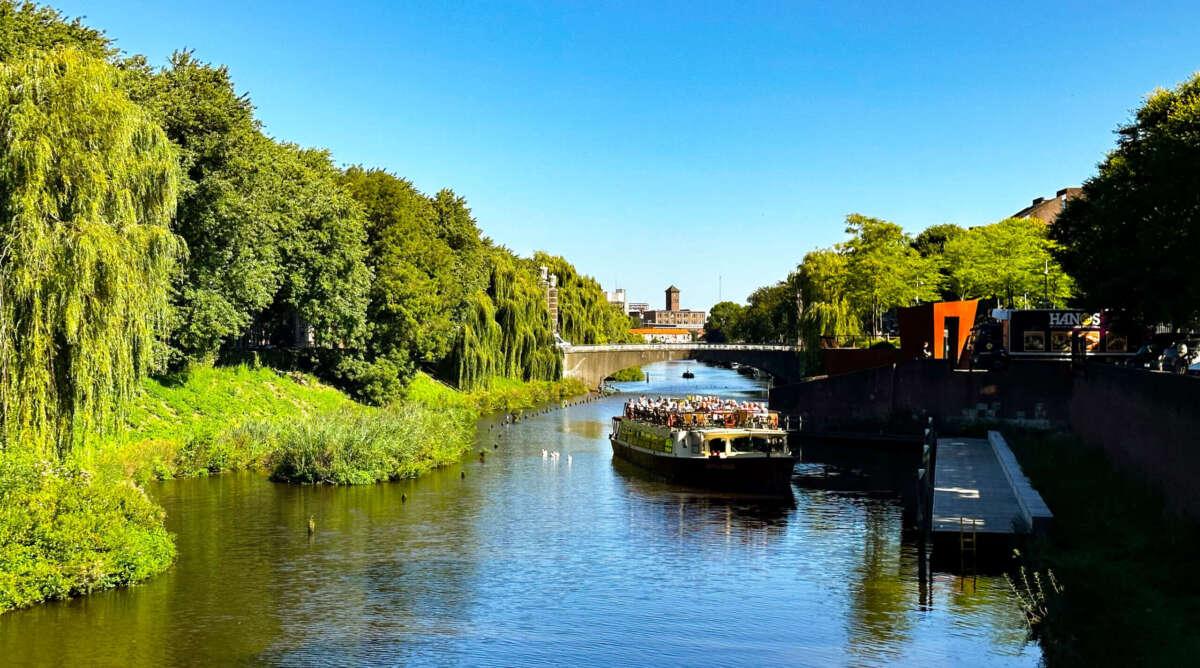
{"points": [[65, 531], [631, 374], [354, 448]]}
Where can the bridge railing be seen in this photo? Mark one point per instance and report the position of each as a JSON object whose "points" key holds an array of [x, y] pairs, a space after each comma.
{"points": [[636, 347]]}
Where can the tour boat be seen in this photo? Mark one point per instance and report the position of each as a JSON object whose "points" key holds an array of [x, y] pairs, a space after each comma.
{"points": [[723, 449], [688, 374]]}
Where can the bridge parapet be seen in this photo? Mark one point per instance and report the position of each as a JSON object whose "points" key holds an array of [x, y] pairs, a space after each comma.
{"points": [[593, 363]]}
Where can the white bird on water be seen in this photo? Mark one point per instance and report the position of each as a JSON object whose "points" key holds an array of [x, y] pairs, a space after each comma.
{"points": [[544, 453], [568, 460]]}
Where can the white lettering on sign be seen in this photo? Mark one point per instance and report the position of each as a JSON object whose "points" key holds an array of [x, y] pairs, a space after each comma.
{"points": [[1073, 319], [1064, 319]]}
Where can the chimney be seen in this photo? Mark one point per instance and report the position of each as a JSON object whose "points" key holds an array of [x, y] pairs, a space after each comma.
{"points": [[1038, 200], [1062, 192]]}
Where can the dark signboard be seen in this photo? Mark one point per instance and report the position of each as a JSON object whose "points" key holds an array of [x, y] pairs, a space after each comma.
{"points": [[1058, 332]]}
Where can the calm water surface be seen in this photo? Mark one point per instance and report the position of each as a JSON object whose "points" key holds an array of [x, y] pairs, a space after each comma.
{"points": [[527, 562]]}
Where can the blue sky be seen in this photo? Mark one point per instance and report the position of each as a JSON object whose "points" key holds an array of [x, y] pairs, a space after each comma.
{"points": [[654, 144]]}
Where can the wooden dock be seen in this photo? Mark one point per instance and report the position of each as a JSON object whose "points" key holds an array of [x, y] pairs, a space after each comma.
{"points": [[979, 490]]}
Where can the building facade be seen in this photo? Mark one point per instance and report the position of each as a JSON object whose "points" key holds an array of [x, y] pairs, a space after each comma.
{"points": [[673, 315], [617, 298]]}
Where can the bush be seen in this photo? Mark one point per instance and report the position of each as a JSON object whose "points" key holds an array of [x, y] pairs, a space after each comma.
{"points": [[65, 531], [359, 448], [633, 373]]}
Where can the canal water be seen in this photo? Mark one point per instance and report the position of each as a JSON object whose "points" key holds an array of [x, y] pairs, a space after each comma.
{"points": [[533, 561]]}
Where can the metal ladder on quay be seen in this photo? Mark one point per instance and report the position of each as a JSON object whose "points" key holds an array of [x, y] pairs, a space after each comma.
{"points": [[968, 547]]}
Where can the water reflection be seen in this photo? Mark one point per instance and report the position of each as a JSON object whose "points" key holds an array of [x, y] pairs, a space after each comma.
{"points": [[699, 514]]}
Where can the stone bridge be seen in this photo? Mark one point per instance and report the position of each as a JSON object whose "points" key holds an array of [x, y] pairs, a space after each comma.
{"points": [[592, 364]]}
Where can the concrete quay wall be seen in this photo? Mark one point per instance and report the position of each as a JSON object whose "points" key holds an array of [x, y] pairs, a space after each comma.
{"points": [[1034, 393], [1147, 423]]}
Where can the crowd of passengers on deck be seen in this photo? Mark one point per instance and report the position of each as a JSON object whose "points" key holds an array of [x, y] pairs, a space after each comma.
{"points": [[701, 411]]}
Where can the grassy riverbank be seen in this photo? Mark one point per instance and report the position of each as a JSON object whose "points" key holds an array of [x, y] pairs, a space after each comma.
{"points": [[72, 528], [66, 531], [1131, 594], [207, 420]]}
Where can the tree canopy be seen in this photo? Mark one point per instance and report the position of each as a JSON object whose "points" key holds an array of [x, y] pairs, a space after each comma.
{"points": [[273, 247], [1009, 260], [88, 185], [848, 288], [883, 269], [1130, 239], [724, 322], [26, 28]]}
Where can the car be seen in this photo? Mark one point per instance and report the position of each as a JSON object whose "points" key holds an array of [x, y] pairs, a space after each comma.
{"points": [[1170, 357], [987, 347], [1194, 369], [1148, 356]]}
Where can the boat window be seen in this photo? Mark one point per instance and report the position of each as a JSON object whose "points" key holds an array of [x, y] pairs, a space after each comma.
{"points": [[751, 444]]}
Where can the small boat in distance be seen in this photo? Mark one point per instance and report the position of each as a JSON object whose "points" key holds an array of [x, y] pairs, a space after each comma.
{"points": [[707, 442], [688, 374]]}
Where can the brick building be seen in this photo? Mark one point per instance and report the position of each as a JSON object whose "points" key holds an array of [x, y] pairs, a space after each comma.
{"points": [[1047, 209], [673, 315]]}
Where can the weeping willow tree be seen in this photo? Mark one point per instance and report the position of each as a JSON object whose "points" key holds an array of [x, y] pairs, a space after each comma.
{"points": [[828, 314], [506, 329], [88, 183], [585, 315]]}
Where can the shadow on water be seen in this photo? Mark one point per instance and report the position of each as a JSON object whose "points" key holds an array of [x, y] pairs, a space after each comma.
{"points": [[646, 488]]}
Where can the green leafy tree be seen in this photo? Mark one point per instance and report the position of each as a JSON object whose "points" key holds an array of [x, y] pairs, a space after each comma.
{"points": [[770, 315], [322, 245], [724, 321], [418, 294], [931, 242], [585, 315], [823, 282], [230, 209], [507, 330], [1130, 241], [884, 269], [88, 183], [1009, 260], [26, 28]]}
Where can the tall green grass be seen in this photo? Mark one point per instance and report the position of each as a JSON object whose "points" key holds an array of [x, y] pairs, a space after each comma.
{"points": [[403, 441], [212, 419]]}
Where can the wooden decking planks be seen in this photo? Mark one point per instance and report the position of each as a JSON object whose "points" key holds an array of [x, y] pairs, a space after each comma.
{"points": [[971, 486]]}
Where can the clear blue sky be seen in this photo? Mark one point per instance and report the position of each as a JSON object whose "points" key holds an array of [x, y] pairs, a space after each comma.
{"points": [[653, 144]]}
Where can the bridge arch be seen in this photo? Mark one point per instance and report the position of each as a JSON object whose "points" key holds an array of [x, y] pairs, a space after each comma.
{"points": [[592, 364]]}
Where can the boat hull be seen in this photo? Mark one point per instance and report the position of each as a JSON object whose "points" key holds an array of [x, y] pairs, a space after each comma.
{"points": [[757, 475]]}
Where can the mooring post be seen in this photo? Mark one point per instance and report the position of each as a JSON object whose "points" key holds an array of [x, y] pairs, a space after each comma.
{"points": [[929, 464]]}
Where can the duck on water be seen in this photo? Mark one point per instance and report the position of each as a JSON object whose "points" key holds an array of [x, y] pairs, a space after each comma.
{"points": [[707, 442]]}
